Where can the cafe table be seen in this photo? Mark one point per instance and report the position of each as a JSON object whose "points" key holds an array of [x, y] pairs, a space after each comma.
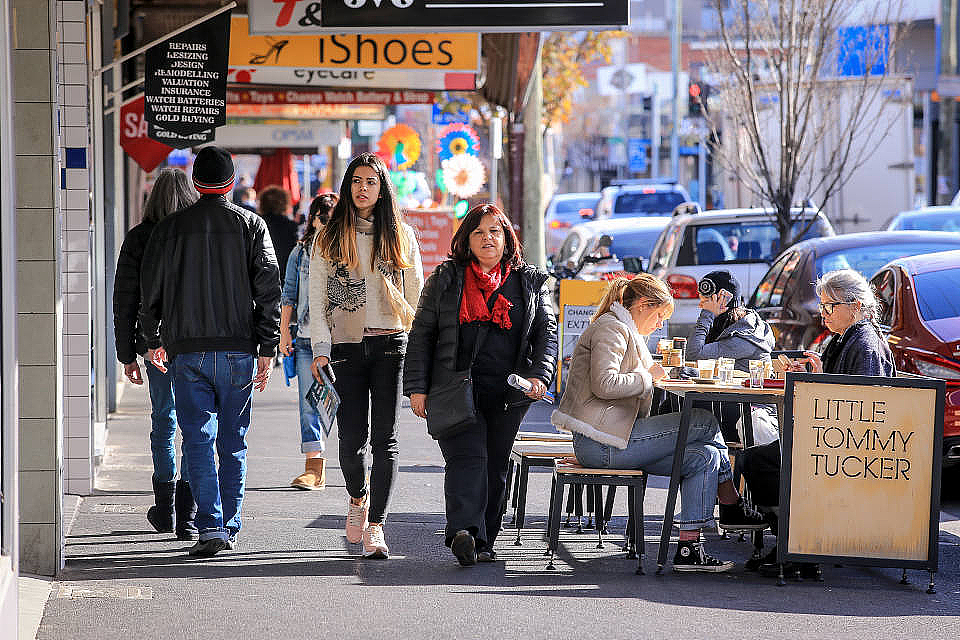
{"points": [[690, 392]]}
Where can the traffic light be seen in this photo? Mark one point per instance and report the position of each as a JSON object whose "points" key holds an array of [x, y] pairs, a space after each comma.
{"points": [[697, 98]]}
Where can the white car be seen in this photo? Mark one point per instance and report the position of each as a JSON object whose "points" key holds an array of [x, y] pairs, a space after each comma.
{"points": [[564, 211], [741, 241]]}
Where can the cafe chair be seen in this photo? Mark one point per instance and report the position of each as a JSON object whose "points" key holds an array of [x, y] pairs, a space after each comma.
{"points": [[523, 455], [568, 472]]}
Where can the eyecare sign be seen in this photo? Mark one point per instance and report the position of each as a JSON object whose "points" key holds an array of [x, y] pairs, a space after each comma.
{"points": [[861, 469]]}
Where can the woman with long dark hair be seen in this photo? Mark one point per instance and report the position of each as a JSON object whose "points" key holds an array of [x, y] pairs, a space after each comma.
{"points": [[366, 276], [172, 191], [295, 340], [486, 311]]}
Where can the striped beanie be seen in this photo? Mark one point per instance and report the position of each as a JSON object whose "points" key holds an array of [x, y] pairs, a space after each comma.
{"points": [[213, 171]]}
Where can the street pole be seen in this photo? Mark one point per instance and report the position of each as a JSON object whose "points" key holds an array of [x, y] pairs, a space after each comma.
{"points": [[533, 169], [702, 172], [675, 71], [496, 152], [655, 135]]}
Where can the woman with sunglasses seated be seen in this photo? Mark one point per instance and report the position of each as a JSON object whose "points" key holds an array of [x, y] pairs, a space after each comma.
{"points": [[848, 308]]}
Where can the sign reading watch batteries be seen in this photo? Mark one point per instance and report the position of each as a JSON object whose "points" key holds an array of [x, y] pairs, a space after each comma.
{"points": [[313, 16], [186, 79]]}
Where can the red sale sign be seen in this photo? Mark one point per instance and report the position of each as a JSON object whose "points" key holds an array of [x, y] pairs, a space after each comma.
{"points": [[147, 152]]}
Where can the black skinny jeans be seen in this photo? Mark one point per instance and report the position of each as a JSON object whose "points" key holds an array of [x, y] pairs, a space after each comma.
{"points": [[476, 460], [368, 381]]}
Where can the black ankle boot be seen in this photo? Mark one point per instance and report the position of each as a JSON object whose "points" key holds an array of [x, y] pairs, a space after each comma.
{"points": [[186, 512], [160, 515]]}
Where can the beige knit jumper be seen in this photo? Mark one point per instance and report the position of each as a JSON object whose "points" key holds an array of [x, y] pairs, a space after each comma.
{"points": [[347, 303]]}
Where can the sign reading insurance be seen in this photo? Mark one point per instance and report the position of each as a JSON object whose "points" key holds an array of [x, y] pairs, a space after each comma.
{"points": [[186, 79], [312, 16], [862, 458]]}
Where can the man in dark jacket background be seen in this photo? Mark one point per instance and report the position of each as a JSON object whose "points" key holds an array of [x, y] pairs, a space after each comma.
{"points": [[211, 305]]}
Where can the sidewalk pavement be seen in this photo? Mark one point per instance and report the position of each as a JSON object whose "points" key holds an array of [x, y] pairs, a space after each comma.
{"points": [[294, 575]]}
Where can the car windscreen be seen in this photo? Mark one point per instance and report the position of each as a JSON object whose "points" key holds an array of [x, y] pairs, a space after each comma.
{"points": [[930, 222], [638, 202], [932, 294], [570, 208], [868, 260], [637, 244]]}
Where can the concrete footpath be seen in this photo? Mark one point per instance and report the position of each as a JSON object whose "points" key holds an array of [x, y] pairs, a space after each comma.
{"points": [[294, 575]]}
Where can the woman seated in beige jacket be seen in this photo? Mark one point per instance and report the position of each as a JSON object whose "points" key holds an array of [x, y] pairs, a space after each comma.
{"points": [[606, 404]]}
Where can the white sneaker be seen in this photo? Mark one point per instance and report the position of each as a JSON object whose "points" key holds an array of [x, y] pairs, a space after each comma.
{"points": [[356, 520], [374, 546]]}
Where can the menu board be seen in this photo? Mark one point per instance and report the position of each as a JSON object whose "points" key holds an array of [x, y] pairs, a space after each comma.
{"points": [[862, 463], [186, 79], [434, 232]]}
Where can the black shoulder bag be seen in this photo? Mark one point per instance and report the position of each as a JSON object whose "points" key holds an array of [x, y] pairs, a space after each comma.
{"points": [[451, 403]]}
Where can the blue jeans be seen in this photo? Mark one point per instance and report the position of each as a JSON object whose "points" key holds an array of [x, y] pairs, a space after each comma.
{"points": [[311, 433], [214, 390], [163, 426], [706, 462]]}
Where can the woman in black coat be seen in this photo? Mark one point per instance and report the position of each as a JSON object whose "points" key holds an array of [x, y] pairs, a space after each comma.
{"points": [[172, 190], [486, 293]]}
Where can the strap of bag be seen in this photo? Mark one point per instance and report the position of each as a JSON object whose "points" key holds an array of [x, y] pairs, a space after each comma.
{"points": [[481, 336]]}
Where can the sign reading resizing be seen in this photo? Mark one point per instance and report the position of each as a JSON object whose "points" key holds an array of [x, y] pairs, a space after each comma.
{"points": [[316, 16]]}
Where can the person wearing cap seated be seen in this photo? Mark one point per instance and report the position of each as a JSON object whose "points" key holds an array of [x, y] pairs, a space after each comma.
{"points": [[727, 329], [211, 308]]}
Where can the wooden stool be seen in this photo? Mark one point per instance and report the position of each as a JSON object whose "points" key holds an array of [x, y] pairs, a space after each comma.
{"points": [[543, 436], [530, 454], [568, 473]]}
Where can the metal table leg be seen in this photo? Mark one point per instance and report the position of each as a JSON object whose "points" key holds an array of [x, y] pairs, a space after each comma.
{"points": [[682, 435]]}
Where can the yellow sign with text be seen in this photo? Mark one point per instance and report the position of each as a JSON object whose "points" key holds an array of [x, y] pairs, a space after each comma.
{"points": [[860, 477], [435, 51], [579, 300]]}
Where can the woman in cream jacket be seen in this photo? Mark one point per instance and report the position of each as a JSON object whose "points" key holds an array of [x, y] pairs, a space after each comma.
{"points": [[606, 405]]}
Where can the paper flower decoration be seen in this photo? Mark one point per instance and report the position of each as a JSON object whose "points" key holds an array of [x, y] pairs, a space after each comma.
{"points": [[463, 175], [399, 146], [457, 139]]}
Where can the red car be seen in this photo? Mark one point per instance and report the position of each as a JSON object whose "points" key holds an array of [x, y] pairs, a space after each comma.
{"points": [[920, 312]]}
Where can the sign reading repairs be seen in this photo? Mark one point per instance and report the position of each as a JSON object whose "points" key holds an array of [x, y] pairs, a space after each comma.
{"points": [[861, 460], [186, 79]]}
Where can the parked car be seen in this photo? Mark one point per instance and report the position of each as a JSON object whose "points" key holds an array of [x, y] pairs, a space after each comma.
{"points": [[927, 219], [564, 211], [785, 296], [632, 199], [922, 324], [742, 241], [595, 250]]}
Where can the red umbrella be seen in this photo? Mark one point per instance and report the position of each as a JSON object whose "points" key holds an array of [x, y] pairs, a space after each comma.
{"points": [[278, 169]]}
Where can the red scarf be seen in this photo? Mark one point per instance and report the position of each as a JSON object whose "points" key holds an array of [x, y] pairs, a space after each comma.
{"points": [[477, 289]]}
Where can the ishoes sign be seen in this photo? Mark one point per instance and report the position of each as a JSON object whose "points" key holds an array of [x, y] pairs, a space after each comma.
{"points": [[318, 16], [381, 60]]}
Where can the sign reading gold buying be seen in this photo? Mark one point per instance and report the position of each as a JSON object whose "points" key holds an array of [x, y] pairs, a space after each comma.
{"points": [[314, 16], [861, 462], [448, 61]]}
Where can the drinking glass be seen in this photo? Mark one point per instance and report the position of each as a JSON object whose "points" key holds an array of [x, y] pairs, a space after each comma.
{"points": [[705, 368], [756, 374]]}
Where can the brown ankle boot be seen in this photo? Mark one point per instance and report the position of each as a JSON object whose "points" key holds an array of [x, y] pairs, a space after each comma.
{"points": [[314, 477]]}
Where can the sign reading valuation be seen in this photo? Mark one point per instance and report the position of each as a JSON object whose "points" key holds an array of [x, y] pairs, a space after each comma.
{"points": [[312, 16], [863, 468], [186, 79]]}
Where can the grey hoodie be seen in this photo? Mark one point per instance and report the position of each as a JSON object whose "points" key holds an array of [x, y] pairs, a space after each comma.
{"points": [[750, 338]]}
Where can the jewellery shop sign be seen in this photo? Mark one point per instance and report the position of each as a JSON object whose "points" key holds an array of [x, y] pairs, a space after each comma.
{"points": [[185, 84], [860, 479], [269, 17]]}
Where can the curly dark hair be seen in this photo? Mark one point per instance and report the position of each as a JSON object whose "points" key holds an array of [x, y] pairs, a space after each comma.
{"points": [[274, 200]]}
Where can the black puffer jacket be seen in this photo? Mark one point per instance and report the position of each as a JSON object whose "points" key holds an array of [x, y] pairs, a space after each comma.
{"points": [[210, 274], [126, 293], [435, 334]]}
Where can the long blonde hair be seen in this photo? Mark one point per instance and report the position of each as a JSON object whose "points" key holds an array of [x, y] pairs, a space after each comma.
{"points": [[337, 241], [627, 291]]}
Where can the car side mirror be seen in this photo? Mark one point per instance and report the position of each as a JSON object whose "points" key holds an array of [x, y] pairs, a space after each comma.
{"points": [[605, 242], [588, 214], [633, 264]]}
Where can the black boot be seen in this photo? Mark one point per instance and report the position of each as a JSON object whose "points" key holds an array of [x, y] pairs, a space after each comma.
{"points": [[186, 512], [160, 515]]}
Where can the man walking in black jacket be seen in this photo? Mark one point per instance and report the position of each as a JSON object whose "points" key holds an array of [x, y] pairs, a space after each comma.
{"points": [[211, 306]]}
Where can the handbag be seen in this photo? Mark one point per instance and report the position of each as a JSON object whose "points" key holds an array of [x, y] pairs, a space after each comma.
{"points": [[451, 405]]}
